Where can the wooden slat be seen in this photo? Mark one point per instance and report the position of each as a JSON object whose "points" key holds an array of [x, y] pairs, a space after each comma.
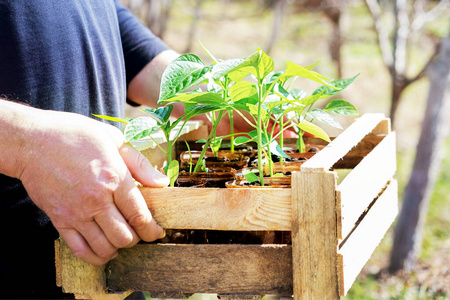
{"points": [[357, 153], [314, 240], [171, 270], [364, 183], [339, 147], [220, 209], [76, 276], [357, 249]]}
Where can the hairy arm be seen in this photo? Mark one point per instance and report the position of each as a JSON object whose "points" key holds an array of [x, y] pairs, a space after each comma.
{"points": [[79, 172]]}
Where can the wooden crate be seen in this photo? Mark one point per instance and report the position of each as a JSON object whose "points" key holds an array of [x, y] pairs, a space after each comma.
{"points": [[335, 228]]}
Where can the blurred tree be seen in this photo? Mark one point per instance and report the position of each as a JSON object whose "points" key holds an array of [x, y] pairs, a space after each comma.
{"points": [[410, 18], [279, 7], [153, 13], [409, 228], [333, 10]]}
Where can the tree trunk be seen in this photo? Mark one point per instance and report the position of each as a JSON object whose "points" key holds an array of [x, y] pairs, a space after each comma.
{"points": [[194, 25], [332, 9], [409, 229], [277, 22]]}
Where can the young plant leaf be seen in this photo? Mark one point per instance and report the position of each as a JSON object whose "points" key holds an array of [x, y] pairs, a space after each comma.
{"points": [[324, 117], [162, 113], [265, 64], [243, 90], [196, 98], [253, 109], [140, 127], [215, 144], [293, 70], [341, 107], [341, 84], [242, 140], [215, 60], [184, 72], [172, 170], [239, 74], [314, 130], [226, 66], [114, 119], [250, 176], [276, 149], [201, 109]]}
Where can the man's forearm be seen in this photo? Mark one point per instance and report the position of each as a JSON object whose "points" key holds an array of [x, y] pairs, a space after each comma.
{"points": [[15, 126], [144, 88]]}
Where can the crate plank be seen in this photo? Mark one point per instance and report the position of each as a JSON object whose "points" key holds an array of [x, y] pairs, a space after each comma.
{"points": [[357, 249], [76, 276], [364, 183], [314, 239], [171, 270], [341, 145], [220, 209]]}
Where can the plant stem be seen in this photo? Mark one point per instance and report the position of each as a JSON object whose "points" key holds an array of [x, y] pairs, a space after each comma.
{"points": [[212, 134], [259, 133], [230, 115]]}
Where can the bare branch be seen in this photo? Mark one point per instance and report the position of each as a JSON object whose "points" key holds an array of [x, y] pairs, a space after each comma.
{"points": [[423, 72], [422, 17], [382, 35]]}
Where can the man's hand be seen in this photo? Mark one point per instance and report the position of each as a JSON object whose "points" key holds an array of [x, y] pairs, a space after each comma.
{"points": [[80, 173]]}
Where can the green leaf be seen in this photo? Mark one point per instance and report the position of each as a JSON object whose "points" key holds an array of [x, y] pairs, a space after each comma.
{"points": [[341, 107], [250, 176], [172, 171], [239, 74], [310, 100], [197, 110], [184, 72], [215, 144], [242, 90], [226, 66], [242, 140], [314, 130], [162, 113], [276, 149], [293, 70], [209, 53], [253, 109], [265, 64], [324, 117], [298, 94], [140, 127], [341, 84], [114, 119], [197, 98]]}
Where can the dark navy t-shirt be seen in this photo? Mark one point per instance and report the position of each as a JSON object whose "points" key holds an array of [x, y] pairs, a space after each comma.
{"points": [[71, 55]]}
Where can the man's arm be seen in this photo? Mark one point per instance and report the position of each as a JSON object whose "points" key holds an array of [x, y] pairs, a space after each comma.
{"points": [[79, 172]]}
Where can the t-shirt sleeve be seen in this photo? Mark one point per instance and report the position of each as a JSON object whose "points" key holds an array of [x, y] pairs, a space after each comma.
{"points": [[139, 44]]}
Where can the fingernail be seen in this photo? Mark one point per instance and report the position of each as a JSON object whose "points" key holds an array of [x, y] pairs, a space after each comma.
{"points": [[160, 178], [163, 234]]}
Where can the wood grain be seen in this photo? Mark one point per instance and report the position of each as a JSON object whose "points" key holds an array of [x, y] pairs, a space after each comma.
{"points": [[364, 183], [357, 249], [341, 145], [76, 276], [171, 270], [220, 209], [314, 239]]}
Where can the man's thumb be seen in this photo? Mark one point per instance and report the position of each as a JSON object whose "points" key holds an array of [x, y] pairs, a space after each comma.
{"points": [[141, 169]]}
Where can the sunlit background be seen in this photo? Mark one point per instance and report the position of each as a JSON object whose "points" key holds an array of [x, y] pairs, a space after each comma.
{"points": [[342, 36]]}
